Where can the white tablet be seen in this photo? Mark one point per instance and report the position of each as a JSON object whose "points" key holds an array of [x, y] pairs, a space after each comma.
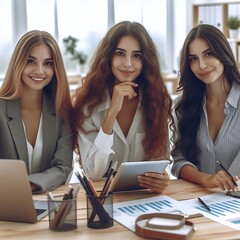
{"points": [[126, 176]]}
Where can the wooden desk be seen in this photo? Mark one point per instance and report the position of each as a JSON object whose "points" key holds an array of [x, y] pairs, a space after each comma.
{"points": [[178, 189]]}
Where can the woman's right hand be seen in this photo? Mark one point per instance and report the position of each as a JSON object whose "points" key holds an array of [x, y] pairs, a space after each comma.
{"points": [[220, 179], [120, 91]]}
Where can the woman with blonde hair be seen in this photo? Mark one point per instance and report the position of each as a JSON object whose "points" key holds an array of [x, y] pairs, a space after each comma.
{"points": [[122, 110], [35, 105]]}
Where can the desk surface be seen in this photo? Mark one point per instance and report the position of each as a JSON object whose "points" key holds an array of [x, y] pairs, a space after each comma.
{"points": [[178, 189]]}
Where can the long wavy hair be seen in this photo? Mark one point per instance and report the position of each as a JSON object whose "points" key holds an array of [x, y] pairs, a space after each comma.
{"points": [[189, 108], [156, 100], [58, 88]]}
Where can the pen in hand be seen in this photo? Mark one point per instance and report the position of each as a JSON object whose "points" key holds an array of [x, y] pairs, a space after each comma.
{"points": [[235, 184], [204, 204]]}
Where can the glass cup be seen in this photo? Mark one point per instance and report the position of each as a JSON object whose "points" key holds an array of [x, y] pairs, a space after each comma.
{"points": [[100, 211], [62, 214]]}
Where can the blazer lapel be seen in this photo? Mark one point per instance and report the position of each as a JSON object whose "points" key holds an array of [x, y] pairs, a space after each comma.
{"points": [[16, 128], [49, 128]]}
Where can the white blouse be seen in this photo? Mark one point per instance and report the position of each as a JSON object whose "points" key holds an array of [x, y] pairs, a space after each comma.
{"points": [[97, 149], [35, 154]]}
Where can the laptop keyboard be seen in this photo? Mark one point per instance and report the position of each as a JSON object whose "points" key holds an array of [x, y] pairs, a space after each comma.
{"points": [[40, 211]]}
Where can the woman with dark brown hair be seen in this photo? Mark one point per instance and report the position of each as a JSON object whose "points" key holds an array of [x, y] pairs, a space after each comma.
{"points": [[208, 111], [122, 109]]}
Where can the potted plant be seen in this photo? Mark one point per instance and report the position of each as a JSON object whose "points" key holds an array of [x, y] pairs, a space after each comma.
{"points": [[233, 25], [70, 44]]}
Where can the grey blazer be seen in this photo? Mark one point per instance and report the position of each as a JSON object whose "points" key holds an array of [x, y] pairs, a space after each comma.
{"points": [[57, 152]]}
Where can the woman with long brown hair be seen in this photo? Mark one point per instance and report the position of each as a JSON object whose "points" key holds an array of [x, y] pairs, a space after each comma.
{"points": [[122, 110]]}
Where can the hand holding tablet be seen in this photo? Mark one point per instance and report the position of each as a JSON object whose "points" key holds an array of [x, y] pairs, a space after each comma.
{"points": [[126, 177], [156, 182]]}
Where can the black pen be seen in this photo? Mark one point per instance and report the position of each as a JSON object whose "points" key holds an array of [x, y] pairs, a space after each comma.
{"points": [[204, 204], [68, 195], [111, 173], [235, 184], [109, 167]]}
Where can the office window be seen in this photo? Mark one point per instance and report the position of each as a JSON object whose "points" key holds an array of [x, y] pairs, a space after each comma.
{"points": [[85, 20], [77, 18], [40, 15], [153, 15], [6, 34]]}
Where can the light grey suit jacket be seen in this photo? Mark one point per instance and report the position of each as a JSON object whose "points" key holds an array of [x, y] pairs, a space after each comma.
{"points": [[57, 152]]}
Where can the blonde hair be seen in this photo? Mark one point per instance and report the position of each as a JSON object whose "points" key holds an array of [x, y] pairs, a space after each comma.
{"points": [[58, 87]]}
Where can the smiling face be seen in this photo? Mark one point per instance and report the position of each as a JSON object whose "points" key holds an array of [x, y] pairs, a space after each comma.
{"points": [[203, 63], [39, 69], [127, 60]]}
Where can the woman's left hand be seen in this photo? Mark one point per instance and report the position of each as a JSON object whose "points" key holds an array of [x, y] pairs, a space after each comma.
{"points": [[157, 182]]}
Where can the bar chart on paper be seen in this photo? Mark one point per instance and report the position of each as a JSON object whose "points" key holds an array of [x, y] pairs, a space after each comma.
{"points": [[126, 212], [153, 206], [224, 209]]}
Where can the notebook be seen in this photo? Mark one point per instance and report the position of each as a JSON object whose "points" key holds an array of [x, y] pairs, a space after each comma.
{"points": [[16, 202], [126, 176]]}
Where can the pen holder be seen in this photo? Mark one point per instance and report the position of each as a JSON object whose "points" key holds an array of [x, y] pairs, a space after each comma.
{"points": [[100, 211], [62, 214]]}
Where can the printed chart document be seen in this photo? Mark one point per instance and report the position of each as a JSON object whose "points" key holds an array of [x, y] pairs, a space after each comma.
{"points": [[126, 213], [224, 209]]}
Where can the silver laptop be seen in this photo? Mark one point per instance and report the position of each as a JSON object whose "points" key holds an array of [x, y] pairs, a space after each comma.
{"points": [[16, 202]]}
